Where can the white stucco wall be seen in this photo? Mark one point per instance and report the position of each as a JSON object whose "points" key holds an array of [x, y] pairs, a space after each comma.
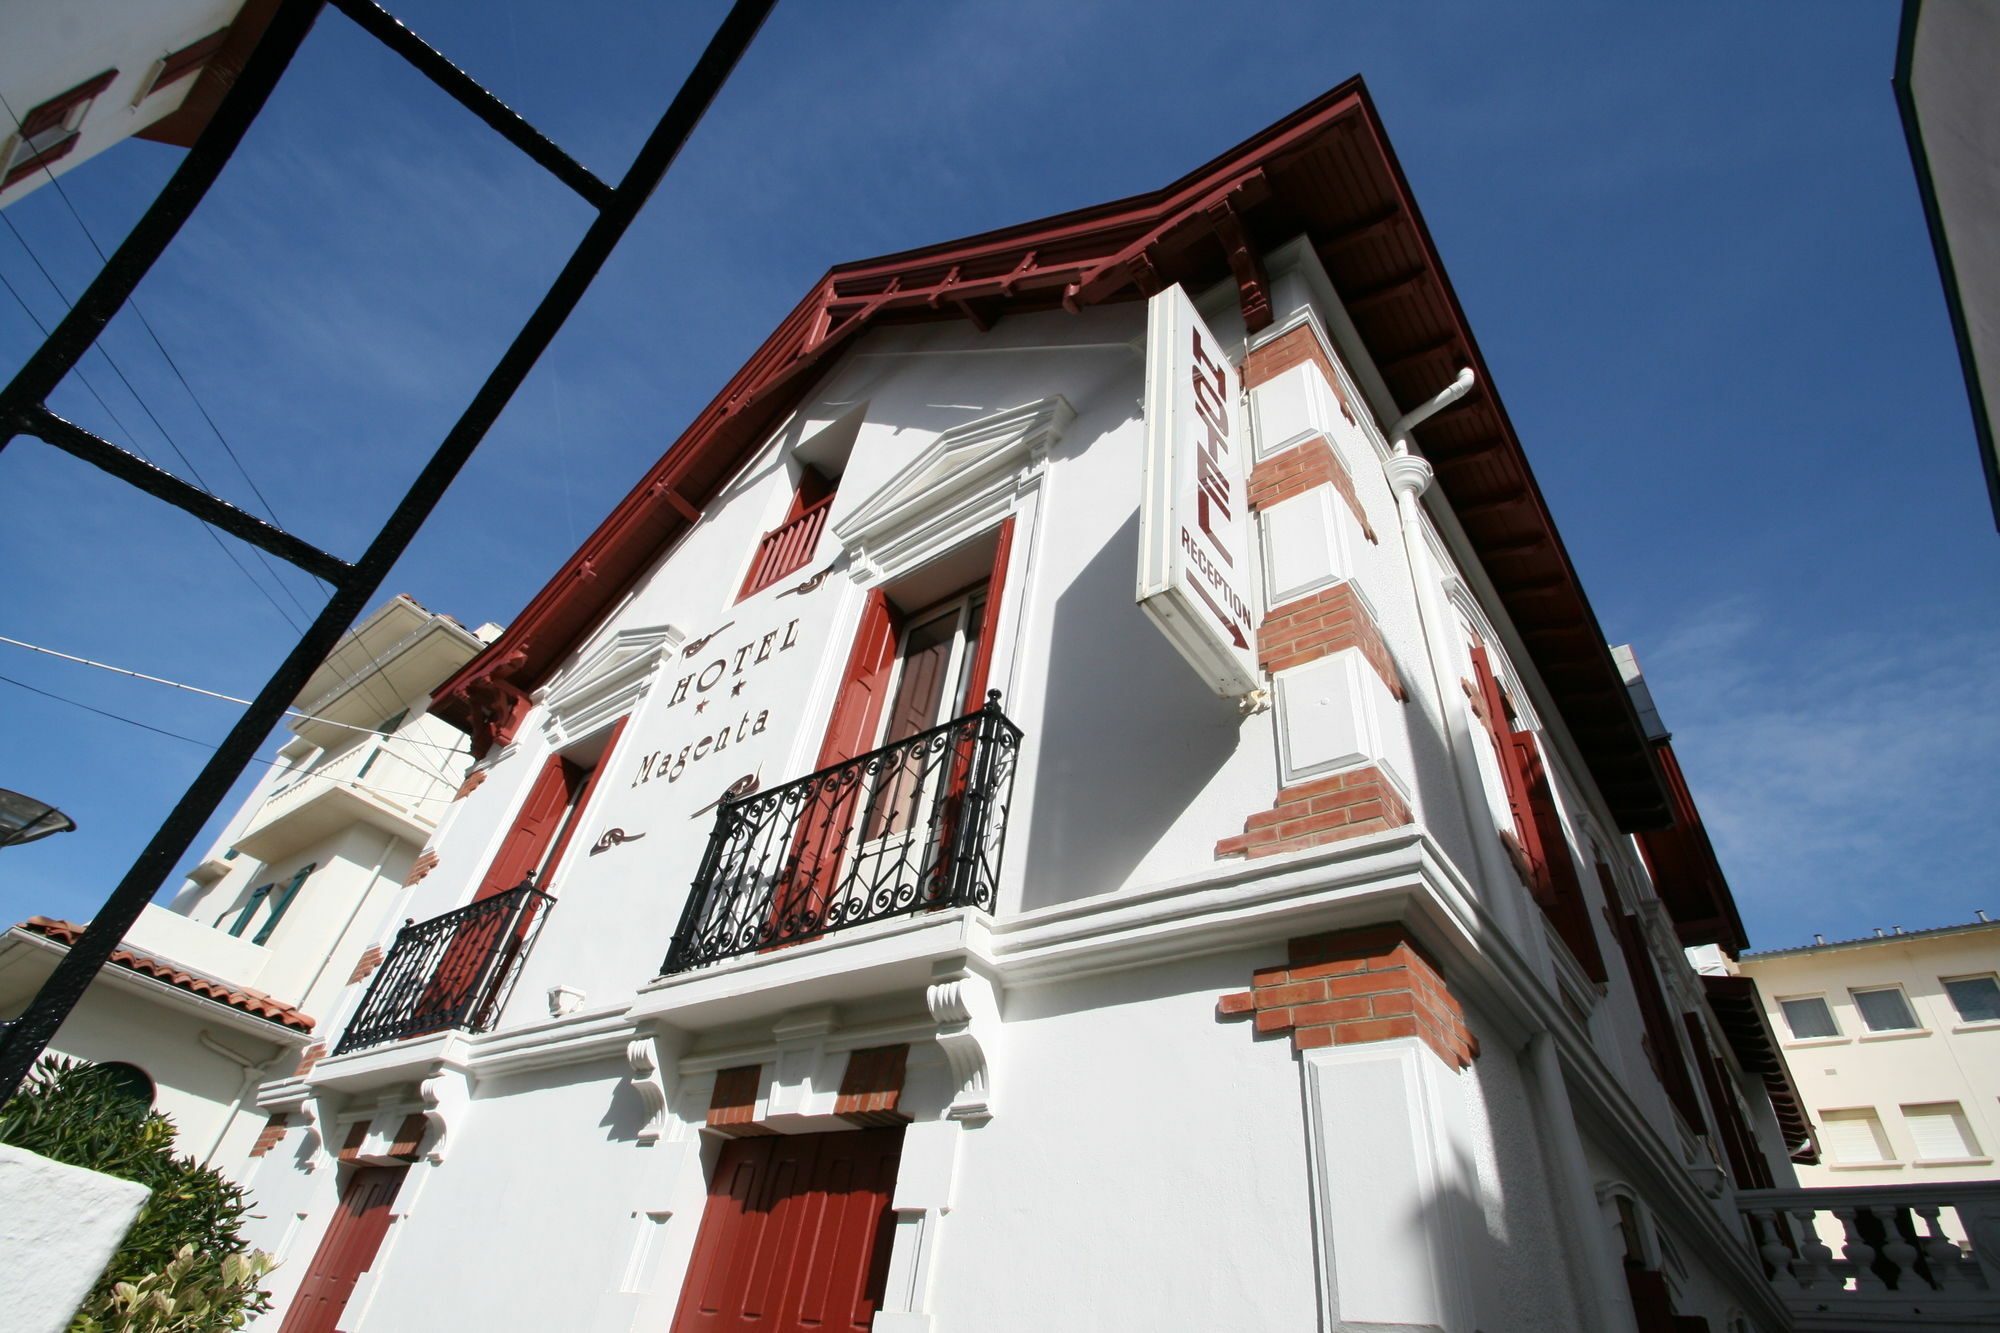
{"points": [[1146, 1165]]}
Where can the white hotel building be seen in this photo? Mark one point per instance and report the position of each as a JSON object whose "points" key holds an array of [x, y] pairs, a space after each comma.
{"points": [[862, 914]]}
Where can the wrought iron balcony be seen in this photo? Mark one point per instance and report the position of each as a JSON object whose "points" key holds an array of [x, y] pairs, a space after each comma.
{"points": [[916, 825], [450, 972]]}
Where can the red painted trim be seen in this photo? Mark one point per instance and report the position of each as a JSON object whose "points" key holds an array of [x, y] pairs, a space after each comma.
{"points": [[187, 60], [346, 1251], [989, 620], [1324, 170]]}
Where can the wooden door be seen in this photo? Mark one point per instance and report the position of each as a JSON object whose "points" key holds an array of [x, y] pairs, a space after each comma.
{"points": [[346, 1251], [796, 1234]]}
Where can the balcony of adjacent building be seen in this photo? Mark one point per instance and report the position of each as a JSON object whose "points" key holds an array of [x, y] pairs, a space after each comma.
{"points": [[389, 782], [1888, 1257]]}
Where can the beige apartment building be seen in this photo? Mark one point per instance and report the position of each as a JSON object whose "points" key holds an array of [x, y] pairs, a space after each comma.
{"points": [[1894, 1043]]}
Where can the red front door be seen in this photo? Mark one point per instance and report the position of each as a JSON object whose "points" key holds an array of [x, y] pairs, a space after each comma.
{"points": [[795, 1238], [346, 1252]]}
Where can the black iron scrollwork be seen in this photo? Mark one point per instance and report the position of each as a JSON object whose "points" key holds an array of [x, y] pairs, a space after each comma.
{"points": [[916, 825]]}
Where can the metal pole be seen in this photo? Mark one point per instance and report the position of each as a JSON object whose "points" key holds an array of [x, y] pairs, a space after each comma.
{"points": [[25, 1039]]}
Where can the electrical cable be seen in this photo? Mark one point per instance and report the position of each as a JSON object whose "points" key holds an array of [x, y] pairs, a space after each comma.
{"points": [[226, 698], [268, 763], [133, 303], [157, 425]]}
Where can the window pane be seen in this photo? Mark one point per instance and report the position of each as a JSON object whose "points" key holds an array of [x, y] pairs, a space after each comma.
{"points": [[1977, 998], [1853, 1136], [1884, 1010], [1809, 1017], [1939, 1131]]}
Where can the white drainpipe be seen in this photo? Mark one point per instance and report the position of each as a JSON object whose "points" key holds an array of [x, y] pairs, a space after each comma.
{"points": [[253, 1074], [1410, 476], [1573, 1184]]}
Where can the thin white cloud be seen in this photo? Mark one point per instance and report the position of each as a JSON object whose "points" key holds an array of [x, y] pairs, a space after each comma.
{"points": [[1849, 779]]}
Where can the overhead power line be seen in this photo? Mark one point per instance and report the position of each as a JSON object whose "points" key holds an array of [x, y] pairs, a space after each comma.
{"points": [[212, 694], [193, 740]]}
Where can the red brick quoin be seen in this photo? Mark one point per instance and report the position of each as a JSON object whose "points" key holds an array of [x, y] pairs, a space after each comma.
{"points": [[1312, 463], [1346, 987], [1321, 624], [1312, 814]]}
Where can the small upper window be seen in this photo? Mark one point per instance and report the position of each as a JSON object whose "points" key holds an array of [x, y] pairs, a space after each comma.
{"points": [[1977, 999], [1885, 1009], [787, 547], [49, 132], [1809, 1016], [1854, 1137], [1940, 1131]]}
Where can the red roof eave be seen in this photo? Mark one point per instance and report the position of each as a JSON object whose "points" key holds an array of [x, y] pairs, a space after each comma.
{"points": [[1326, 171], [249, 1001]]}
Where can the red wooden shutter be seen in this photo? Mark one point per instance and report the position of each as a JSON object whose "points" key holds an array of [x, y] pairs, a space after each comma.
{"points": [[541, 814], [1662, 1044], [1550, 873], [1558, 890], [579, 803], [346, 1251], [547, 821], [1747, 1166], [827, 819], [796, 1234], [989, 621]]}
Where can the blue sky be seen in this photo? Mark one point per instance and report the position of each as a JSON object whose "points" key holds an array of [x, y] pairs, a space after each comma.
{"points": [[1687, 238]]}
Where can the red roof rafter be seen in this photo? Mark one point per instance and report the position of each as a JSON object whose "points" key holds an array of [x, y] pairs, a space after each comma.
{"points": [[1326, 171]]}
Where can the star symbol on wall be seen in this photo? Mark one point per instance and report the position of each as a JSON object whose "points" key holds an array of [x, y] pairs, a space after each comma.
{"points": [[700, 704], [736, 689]]}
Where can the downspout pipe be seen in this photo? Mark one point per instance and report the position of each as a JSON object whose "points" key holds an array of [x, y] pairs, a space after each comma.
{"points": [[1410, 476], [253, 1074], [1399, 434], [1577, 1190]]}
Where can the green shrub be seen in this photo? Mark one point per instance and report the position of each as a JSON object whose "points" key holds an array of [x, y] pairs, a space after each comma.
{"points": [[185, 1253]]}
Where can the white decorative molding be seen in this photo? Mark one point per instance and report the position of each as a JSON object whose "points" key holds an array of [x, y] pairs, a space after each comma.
{"points": [[647, 1080], [965, 481], [447, 1095], [564, 1001], [966, 1006], [1330, 715], [606, 684], [1387, 1187]]}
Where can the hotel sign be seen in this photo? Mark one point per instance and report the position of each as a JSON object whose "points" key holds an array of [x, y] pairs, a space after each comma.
{"points": [[1194, 522]]}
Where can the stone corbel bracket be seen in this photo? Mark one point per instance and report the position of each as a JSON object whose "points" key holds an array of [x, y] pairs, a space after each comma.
{"points": [[648, 1081], [447, 1094], [966, 1008]]}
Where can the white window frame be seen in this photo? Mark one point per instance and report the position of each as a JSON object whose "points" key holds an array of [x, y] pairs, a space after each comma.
{"points": [[1838, 1034]]}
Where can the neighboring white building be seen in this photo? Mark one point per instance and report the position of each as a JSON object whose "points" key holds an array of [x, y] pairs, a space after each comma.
{"points": [[78, 78], [1016, 976], [213, 995], [1894, 1040]]}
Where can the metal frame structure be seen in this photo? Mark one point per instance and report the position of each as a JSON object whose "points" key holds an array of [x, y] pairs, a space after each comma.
{"points": [[24, 411]]}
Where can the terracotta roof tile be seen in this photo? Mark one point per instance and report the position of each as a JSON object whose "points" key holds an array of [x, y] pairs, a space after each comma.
{"points": [[236, 997]]}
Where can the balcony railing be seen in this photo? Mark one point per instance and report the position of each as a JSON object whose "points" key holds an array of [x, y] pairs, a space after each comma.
{"points": [[916, 825], [452, 971], [1925, 1254]]}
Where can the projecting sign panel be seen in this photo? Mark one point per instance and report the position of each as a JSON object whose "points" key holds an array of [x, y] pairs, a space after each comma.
{"points": [[1194, 522]]}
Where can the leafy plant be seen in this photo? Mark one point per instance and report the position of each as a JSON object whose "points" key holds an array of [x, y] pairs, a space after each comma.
{"points": [[185, 1252]]}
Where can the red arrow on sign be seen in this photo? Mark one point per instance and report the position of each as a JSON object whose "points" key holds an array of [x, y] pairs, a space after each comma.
{"points": [[1235, 630]]}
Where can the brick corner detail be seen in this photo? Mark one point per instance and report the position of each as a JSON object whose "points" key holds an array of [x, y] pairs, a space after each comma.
{"points": [[1299, 469], [1347, 987], [1312, 814], [1321, 624], [425, 863]]}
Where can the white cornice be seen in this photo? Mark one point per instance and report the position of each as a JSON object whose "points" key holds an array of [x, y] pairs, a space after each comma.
{"points": [[963, 481]]}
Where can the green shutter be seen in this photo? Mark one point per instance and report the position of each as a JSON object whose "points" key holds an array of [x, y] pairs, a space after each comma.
{"points": [[257, 895], [284, 901]]}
